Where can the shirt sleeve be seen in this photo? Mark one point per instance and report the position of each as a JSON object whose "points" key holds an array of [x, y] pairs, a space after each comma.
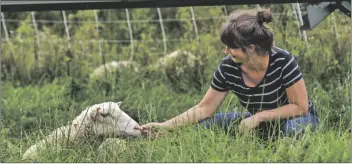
{"points": [[290, 72], [219, 81]]}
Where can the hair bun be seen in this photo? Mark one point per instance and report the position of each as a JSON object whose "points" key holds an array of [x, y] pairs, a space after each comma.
{"points": [[264, 16]]}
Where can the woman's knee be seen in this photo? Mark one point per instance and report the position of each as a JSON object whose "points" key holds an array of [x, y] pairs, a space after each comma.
{"points": [[299, 125]]}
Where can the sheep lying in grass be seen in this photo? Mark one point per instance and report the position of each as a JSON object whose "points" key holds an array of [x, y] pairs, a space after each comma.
{"points": [[113, 67], [182, 68], [179, 61], [105, 119], [107, 77]]}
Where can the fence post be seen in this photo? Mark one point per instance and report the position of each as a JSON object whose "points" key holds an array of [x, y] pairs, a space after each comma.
{"points": [[99, 43], [195, 25], [298, 23], [162, 30], [301, 23], [130, 32], [14, 72], [69, 54], [36, 46]]}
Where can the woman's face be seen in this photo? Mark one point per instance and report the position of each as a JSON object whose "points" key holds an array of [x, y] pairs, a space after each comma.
{"points": [[238, 56]]}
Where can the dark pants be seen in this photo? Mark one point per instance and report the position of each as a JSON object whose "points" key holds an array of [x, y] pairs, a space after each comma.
{"points": [[290, 126]]}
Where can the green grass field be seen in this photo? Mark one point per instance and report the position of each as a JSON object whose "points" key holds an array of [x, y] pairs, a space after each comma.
{"points": [[30, 113]]}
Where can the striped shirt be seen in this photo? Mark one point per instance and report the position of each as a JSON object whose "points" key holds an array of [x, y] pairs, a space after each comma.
{"points": [[270, 93]]}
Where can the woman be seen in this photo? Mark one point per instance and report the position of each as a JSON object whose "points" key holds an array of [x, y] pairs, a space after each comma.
{"points": [[267, 81]]}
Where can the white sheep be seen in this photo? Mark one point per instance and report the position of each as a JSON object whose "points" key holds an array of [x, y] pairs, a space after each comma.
{"points": [[113, 67], [174, 55], [100, 119], [182, 69]]}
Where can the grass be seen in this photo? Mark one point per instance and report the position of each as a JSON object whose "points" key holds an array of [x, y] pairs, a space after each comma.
{"points": [[30, 113]]}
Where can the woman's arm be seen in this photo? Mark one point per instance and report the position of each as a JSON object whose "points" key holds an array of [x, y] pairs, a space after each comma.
{"points": [[206, 107], [298, 98]]}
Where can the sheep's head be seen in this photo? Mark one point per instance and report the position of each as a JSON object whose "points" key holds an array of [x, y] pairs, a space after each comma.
{"points": [[109, 119]]}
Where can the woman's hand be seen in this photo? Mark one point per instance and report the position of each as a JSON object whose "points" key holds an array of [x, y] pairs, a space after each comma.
{"points": [[249, 123], [149, 129]]}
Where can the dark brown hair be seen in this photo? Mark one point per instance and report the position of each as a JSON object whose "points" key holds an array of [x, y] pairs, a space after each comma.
{"points": [[246, 27]]}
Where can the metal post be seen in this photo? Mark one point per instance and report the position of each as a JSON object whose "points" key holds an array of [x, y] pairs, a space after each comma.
{"points": [[195, 25], [162, 30], [301, 22], [130, 32], [10, 45], [334, 25], [36, 48], [298, 23], [66, 30], [99, 43], [225, 10], [69, 52]]}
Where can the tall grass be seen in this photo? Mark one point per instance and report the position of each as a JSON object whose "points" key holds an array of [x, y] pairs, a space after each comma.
{"points": [[29, 113]]}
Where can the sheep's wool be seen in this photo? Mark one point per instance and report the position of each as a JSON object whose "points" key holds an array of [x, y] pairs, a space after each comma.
{"points": [[105, 119], [113, 66], [179, 61]]}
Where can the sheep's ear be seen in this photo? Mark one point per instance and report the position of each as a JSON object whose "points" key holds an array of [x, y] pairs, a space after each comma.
{"points": [[75, 123], [103, 113], [119, 103], [94, 113]]}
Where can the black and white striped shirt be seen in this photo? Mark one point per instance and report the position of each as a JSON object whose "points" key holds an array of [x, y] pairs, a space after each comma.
{"points": [[270, 93]]}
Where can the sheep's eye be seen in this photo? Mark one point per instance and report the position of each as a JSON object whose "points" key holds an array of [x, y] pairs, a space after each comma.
{"points": [[105, 114]]}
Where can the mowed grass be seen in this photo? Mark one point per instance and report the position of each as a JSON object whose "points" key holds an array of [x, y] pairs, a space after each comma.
{"points": [[30, 113]]}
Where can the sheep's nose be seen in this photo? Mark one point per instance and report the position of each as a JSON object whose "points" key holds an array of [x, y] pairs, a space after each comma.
{"points": [[133, 128]]}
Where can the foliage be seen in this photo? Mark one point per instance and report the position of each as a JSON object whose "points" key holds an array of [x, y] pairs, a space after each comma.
{"points": [[46, 86]]}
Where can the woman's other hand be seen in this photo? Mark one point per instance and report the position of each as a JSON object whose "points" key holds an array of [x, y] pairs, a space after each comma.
{"points": [[249, 123]]}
